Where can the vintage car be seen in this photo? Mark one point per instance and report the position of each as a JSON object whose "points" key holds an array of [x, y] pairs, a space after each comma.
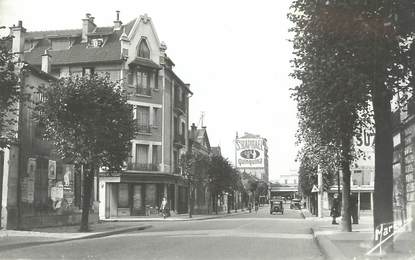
{"points": [[276, 206], [295, 204]]}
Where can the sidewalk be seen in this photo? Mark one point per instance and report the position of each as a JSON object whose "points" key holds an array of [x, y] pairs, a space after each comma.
{"points": [[336, 244], [178, 217], [12, 239]]}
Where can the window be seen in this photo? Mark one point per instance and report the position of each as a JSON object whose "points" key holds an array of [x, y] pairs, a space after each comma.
{"points": [[183, 128], [156, 117], [141, 154], [143, 119], [155, 154], [143, 79], [88, 71], [96, 43], [143, 50]]}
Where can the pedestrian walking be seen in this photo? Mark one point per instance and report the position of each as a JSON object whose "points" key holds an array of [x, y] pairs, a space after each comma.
{"points": [[163, 207], [334, 212]]}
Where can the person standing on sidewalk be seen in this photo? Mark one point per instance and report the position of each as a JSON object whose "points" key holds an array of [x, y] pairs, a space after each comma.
{"points": [[334, 212], [164, 207]]}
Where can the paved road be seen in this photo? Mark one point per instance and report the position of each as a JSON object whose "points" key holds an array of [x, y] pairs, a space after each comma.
{"points": [[248, 236]]}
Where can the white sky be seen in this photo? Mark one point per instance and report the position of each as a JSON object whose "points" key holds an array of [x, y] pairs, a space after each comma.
{"points": [[235, 55]]}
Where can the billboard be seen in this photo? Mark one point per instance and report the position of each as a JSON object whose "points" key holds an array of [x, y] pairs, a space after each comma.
{"points": [[249, 152]]}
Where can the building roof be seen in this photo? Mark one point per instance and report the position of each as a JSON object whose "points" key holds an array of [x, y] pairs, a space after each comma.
{"points": [[78, 52]]}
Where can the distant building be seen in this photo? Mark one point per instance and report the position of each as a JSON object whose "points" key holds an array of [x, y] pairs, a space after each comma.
{"points": [[251, 155]]}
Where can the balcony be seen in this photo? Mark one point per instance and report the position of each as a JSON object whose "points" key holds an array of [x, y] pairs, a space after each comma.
{"points": [[134, 166], [143, 91], [144, 128]]}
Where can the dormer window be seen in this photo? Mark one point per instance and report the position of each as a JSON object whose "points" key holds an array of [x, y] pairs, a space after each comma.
{"points": [[96, 42], [143, 50]]}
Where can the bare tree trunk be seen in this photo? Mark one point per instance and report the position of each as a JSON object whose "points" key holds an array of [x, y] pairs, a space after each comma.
{"points": [[189, 201], [346, 217], [86, 197], [383, 194]]}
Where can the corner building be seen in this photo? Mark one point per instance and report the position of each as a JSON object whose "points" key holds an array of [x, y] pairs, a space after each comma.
{"points": [[132, 54]]}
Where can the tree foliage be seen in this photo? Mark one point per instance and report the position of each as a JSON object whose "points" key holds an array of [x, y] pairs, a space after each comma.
{"points": [[88, 120], [90, 123], [10, 93], [352, 59]]}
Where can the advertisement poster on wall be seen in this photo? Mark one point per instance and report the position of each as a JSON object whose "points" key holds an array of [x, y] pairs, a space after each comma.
{"points": [[249, 152], [68, 182], [52, 170]]}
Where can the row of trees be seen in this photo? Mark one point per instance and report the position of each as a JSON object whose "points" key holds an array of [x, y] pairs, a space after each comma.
{"points": [[215, 172], [353, 58]]}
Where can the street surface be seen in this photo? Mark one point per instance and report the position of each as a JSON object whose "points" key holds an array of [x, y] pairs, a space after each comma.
{"points": [[246, 236]]}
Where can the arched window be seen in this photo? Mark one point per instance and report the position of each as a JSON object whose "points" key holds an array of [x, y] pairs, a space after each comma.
{"points": [[143, 50]]}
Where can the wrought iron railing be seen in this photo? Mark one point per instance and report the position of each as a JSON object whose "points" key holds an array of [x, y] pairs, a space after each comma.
{"points": [[143, 166], [143, 91]]}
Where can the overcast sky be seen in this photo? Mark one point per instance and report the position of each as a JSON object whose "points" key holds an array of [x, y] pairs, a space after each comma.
{"points": [[235, 55]]}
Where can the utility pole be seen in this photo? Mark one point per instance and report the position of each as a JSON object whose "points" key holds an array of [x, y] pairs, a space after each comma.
{"points": [[320, 192]]}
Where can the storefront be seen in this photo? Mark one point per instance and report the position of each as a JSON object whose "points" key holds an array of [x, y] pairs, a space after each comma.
{"points": [[140, 194]]}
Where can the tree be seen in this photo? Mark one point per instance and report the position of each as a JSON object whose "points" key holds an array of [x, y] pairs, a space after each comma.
{"points": [[10, 93], [221, 176], [90, 123], [364, 50], [194, 167]]}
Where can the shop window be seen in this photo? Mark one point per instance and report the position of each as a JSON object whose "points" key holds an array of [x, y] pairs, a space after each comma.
{"points": [[143, 50], [123, 201]]}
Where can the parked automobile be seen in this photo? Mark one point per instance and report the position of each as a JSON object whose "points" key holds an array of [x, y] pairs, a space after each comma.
{"points": [[276, 206], [295, 204]]}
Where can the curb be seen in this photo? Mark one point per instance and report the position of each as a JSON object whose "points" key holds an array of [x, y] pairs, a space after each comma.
{"points": [[327, 248], [87, 236], [173, 219]]}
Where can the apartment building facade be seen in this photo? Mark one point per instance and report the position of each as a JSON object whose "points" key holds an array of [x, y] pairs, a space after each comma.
{"points": [[132, 54]]}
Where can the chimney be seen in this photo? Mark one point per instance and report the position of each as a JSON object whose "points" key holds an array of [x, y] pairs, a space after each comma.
{"points": [[193, 131], [18, 33], [88, 26], [163, 48], [46, 64], [117, 22]]}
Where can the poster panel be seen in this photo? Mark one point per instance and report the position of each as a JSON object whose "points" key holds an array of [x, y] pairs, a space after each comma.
{"points": [[52, 170], [249, 152]]}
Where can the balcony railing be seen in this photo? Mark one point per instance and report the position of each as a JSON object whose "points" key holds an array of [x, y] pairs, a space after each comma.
{"points": [[143, 166], [144, 128], [143, 91]]}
